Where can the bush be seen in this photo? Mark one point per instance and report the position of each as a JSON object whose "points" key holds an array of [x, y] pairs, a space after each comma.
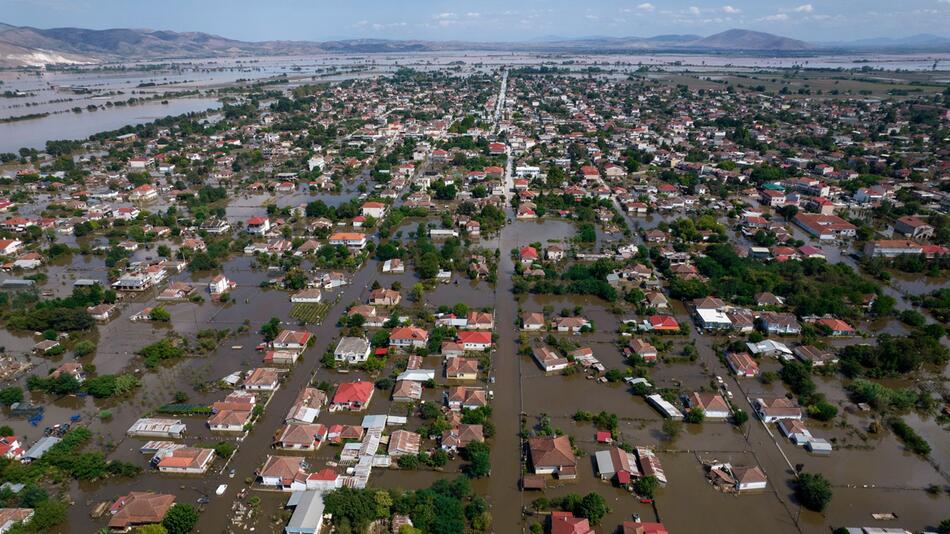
{"points": [[180, 519], [10, 395], [823, 411], [695, 416], [813, 491], [911, 438]]}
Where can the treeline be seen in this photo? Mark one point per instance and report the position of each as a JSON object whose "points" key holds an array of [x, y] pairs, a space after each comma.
{"points": [[63, 314], [579, 279], [446, 507], [810, 287]]}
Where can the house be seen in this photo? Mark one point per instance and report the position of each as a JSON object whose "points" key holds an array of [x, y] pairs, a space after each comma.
{"points": [[636, 527], [408, 336], [352, 350], [749, 478], [769, 347], [553, 455], [220, 284], [795, 430], [663, 323], [712, 405], [403, 442], [532, 321], [461, 435], [257, 226], [775, 409], [475, 340], [186, 460], [38, 449], [301, 437], [308, 510], [616, 463], [281, 357], [451, 349], [394, 266], [70, 368], [566, 523], [407, 391], [913, 227], [461, 397], [825, 227], [230, 420], [555, 253], [292, 340], [143, 193], [768, 299], [384, 297], [10, 246], [377, 210], [650, 465], [477, 320], [646, 351], [574, 325], [139, 508], [349, 239], [712, 319], [307, 296], [780, 323], [13, 516], [528, 255], [370, 315], [458, 368], [262, 379], [837, 327], [742, 364], [284, 472], [157, 428], [548, 359], [307, 406], [11, 448], [815, 356], [353, 396]]}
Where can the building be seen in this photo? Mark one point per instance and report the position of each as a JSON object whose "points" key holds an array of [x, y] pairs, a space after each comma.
{"points": [[262, 379], [478, 340], [749, 478], [308, 512], [292, 340], [403, 442], [186, 460], [12, 516], [553, 455], [780, 323], [644, 349], [618, 465], [377, 210], [742, 364], [636, 527], [664, 407], [408, 336], [350, 239], [139, 508], [771, 410], [825, 227], [532, 321], [573, 325], [913, 227], [307, 296], [353, 396], [566, 523], [307, 406], [352, 350], [283, 472], [220, 284], [157, 428], [301, 437], [815, 356], [549, 360], [712, 405], [889, 248], [458, 368]]}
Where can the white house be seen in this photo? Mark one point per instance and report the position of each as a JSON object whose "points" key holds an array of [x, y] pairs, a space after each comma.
{"points": [[352, 350]]}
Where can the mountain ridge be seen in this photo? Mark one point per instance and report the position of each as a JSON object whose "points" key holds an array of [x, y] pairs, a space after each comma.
{"points": [[28, 46]]}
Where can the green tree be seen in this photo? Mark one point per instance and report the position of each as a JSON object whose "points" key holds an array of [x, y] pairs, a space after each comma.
{"points": [[813, 491], [593, 507], [160, 314], [180, 519], [479, 463], [10, 395]]}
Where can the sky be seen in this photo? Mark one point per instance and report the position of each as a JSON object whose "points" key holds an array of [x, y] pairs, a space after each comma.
{"points": [[490, 20]]}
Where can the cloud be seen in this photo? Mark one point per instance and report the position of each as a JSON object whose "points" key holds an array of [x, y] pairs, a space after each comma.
{"points": [[648, 7], [693, 10], [778, 17], [731, 10], [806, 8]]}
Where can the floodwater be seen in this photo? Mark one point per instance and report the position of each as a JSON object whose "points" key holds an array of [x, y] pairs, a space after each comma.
{"points": [[34, 133]]}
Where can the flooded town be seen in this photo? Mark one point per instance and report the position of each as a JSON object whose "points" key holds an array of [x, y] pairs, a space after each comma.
{"points": [[476, 292]]}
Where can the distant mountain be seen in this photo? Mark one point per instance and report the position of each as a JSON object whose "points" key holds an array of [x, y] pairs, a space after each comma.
{"points": [[749, 40], [22, 45]]}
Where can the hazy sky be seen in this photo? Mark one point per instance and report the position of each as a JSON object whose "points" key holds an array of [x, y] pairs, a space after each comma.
{"points": [[815, 20]]}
